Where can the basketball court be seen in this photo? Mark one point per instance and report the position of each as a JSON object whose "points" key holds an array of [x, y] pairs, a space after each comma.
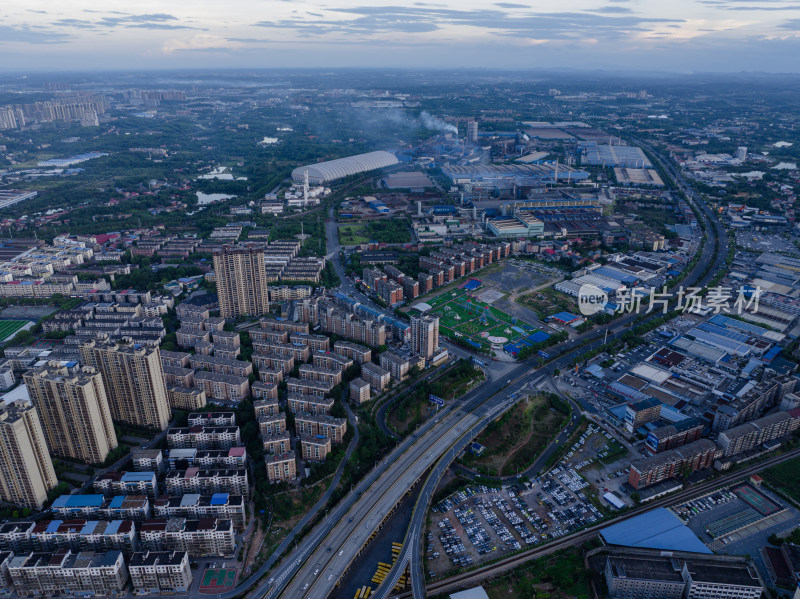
{"points": [[217, 581]]}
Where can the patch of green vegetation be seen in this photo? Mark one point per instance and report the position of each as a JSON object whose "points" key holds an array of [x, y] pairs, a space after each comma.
{"points": [[392, 230], [518, 437], [415, 406], [556, 576], [785, 478]]}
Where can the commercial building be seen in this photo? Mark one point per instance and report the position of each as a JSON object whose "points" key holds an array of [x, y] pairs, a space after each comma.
{"points": [[26, 470], [157, 572], [241, 280], [281, 467], [425, 335], [73, 411], [80, 574], [133, 379]]}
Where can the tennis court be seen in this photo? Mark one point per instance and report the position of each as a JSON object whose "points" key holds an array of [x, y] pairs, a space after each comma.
{"points": [[217, 580], [755, 499]]}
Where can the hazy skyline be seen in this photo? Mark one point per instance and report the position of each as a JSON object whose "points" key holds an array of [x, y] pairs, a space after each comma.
{"points": [[682, 35]]}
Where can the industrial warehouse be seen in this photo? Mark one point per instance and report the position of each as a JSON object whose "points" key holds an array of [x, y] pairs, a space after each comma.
{"points": [[324, 172]]}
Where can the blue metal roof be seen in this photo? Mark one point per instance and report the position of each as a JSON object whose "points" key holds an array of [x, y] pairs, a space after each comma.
{"points": [[657, 529], [89, 527], [614, 274], [564, 317], [771, 354], [113, 527], [537, 337], [53, 526], [116, 501], [219, 499], [130, 477], [77, 501]]}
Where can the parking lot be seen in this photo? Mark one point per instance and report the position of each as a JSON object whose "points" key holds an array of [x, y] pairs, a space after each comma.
{"points": [[765, 242], [481, 523]]}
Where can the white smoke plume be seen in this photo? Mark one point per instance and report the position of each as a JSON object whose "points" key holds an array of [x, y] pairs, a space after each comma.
{"points": [[431, 122]]}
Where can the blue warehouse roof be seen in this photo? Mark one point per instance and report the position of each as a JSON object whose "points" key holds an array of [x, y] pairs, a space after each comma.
{"points": [[657, 529]]}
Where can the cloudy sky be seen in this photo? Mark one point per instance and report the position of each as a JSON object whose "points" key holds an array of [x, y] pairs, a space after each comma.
{"points": [[652, 35]]}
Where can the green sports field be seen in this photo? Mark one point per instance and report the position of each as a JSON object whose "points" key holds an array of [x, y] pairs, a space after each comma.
{"points": [[9, 327], [461, 315]]}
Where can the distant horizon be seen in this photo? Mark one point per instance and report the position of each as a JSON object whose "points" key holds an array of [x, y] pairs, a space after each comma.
{"points": [[647, 73], [697, 36]]}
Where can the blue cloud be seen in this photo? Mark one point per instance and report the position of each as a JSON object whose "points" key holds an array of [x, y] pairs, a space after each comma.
{"points": [[29, 36]]}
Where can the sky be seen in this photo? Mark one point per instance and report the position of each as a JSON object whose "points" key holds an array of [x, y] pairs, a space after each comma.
{"points": [[638, 35]]}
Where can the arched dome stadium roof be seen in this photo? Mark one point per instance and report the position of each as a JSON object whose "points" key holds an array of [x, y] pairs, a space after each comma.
{"points": [[322, 172]]}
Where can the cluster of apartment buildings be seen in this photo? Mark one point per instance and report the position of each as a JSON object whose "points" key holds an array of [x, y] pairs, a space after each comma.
{"points": [[450, 263], [39, 271], [281, 347], [102, 574]]}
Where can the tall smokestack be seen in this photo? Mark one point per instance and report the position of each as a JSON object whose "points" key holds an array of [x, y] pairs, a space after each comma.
{"points": [[419, 208]]}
